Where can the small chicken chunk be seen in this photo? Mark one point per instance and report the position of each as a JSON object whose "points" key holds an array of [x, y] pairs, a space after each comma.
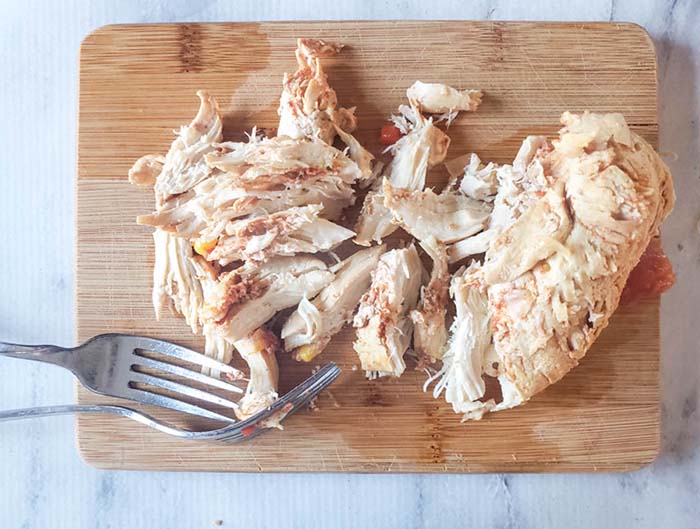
{"points": [[247, 297], [422, 147], [288, 232], [429, 330], [382, 321], [258, 350], [448, 217], [437, 98], [308, 105], [309, 329]]}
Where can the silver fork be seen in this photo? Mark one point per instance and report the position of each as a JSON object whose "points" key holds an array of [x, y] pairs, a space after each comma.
{"points": [[243, 430], [109, 364]]}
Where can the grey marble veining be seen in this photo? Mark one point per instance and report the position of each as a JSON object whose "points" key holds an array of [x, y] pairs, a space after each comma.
{"points": [[43, 483]]}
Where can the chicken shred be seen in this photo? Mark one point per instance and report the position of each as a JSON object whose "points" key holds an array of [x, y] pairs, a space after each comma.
{"points": [[429, 331], [437, 98], [258, 350], [382, 321], [309, 329], [295, 230], [308, 105]]}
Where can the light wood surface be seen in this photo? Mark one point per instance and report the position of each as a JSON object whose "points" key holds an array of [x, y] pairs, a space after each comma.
{"points": [[137, 83]]}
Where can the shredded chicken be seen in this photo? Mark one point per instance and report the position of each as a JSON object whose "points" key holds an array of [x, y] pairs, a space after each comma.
{"points": [[308, 105], [436, 98], [184, 165], [382, 321], [289, 232], [448, 217], [423, 146], [258, 350], [518, 186], [309, 329], [146, 169], [248, 296], [589, 204], [429, 330]]}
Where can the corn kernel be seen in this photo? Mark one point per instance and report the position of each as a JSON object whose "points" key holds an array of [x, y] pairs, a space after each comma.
{"points": [[204, 247], [306, 353]]}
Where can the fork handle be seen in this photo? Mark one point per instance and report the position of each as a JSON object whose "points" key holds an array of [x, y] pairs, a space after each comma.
{"points": [[44, 411], [51, 354]]}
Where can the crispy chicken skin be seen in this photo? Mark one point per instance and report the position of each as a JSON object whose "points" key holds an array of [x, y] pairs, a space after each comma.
{"points": [[382, 321], [552, 277]]}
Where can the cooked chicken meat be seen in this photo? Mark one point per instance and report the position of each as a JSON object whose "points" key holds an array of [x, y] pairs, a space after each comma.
{"points": [[184, 164], [258, 177], [448, 217], [422, 147], [429, 330], [553, 276], [382, 321], [480, 181], [146, 169], [308, 105], [517, 187], [309, 329], [248, 296], [437, 98], [288, 232], [258, 350]]}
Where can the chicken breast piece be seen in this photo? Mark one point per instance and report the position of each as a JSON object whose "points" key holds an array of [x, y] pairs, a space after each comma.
{"points": [[422, 147], [479, 181], [519, 185], [259, 177], [248, 296], [288, 232], [553, 277], [176, 281], [463, 364], [309, 329], [429, 330], [258, 350], [146, 169], [437, 98], [448, 217], [382, 321], [184, 164], [308, 105]]}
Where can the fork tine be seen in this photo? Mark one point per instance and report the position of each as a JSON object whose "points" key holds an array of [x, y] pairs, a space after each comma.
{"points": [[146, 397], [182, 389], [298, 397], [186, 373], [175, 351]]}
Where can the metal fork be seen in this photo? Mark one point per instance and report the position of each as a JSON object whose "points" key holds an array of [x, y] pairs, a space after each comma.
{"points": [[247, 429], [109, 364]]}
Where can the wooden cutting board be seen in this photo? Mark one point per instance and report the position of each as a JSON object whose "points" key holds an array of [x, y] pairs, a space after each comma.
{"points": [[138, 83]]}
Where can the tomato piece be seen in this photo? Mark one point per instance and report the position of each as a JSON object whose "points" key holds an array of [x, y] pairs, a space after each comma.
{"points": [[389, 134], [652, 276], [248, 430]]}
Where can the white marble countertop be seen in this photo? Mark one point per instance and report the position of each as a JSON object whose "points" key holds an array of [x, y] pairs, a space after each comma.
{"points": [[43, 481]]}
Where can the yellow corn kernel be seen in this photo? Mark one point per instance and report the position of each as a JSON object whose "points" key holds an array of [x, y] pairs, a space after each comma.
{"points": [[306, 353], [204, 247]]}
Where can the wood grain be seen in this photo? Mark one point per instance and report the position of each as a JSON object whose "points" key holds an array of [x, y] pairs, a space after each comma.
{"points": [[137, 83]]}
